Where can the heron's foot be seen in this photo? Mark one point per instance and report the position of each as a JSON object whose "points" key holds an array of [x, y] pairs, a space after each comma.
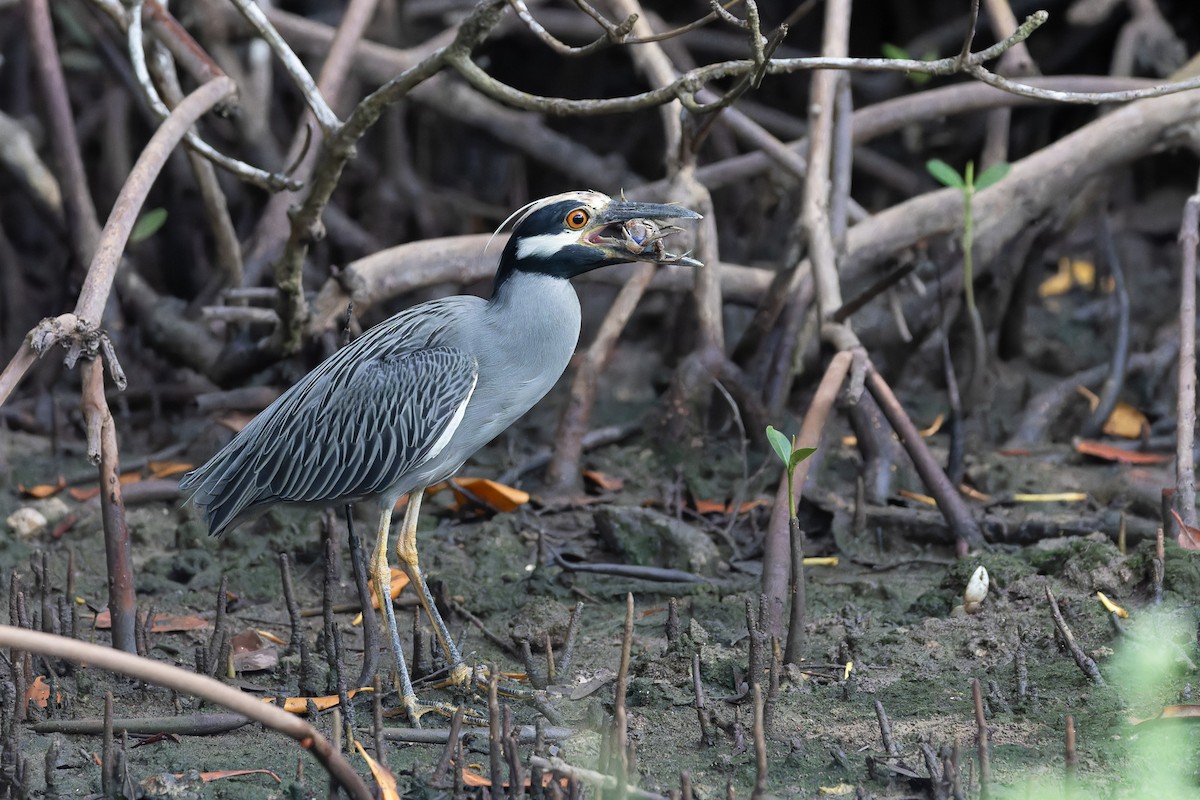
{"points": [[477, 678], [415, 709]]}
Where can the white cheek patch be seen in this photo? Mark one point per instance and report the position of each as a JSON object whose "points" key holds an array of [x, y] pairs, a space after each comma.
{"points": [[545, 244]]}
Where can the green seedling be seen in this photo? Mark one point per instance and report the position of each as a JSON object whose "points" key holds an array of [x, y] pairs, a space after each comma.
{"points": [[791, 456], [968, 185], [147, 225], [895, 51]]}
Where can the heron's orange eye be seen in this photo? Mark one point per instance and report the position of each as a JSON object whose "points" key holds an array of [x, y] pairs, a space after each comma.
{"points": [[577, 218]]}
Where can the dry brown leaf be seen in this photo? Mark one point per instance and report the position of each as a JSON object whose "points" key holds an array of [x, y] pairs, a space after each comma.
{"points": [[43, 490], [1050, 497], [163, 622], [713, 507], [1125, 421], [165, 469], [609, 483], [1182, 711], [934, 426], [496, 495], [82, 494], [974, 494], [252, 653], [299, 705], [1189, 537], [39, 692], [918, 497], [383, 776], [208, 777], [472, 776], [1089, 447], [1071, 273], [270, 637]]}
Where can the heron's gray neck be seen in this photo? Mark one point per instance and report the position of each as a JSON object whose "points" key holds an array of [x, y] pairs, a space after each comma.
{"points": [[534, 318]]}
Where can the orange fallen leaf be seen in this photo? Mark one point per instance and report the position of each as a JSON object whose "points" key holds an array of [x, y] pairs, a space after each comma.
{"points": [[399, 581], [494, 494], [270, 637], [208, 777], [1183, 711], [974, 494], [1125, 421], [383, 776], [43, 490], [1072, 272], [934, 426], [472, 775], [1189, 537], [1089, 447], [165, 469], [299, 705], [609, 483], [713, 507], [920, 498], [39, 692], [92, 491], [163, 622]]}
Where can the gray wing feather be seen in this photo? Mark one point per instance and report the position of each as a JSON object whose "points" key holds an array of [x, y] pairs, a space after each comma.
{"points": [[355, 426]]}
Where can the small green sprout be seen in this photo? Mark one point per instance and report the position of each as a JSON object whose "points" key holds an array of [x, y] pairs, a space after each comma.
{"points": [[968, 185], [147, 225], [791, 456], [896, 52]]}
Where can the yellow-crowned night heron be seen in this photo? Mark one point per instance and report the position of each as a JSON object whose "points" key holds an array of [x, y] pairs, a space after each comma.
{"points": [[405, 404]]}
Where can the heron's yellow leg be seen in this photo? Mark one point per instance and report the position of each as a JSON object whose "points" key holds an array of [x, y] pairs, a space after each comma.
{"points": [[406, 551], [381, 575]]}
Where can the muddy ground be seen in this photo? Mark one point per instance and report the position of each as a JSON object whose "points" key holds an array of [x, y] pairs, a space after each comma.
{"points": [[887, 607]]}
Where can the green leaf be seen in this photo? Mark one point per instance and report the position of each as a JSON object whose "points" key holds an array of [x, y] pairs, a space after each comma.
{"points": [[945, 174], [781, 444], [890, 50], [798, 455], [148, 225], [992, 175]]}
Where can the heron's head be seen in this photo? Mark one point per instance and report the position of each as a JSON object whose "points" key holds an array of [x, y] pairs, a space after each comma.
{"points": [[569, 234]]}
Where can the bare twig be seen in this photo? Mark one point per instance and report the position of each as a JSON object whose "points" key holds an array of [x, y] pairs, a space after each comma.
{"points": [[82, 223], [1185, 469], [981, 740], [137, 59], [313, 97], [1082, 659], [606, 782], [613, 34], [950, 503], [80, 331], [102, 450], [1119, 363], [1070, 756], [170, 677], [620, 715]]}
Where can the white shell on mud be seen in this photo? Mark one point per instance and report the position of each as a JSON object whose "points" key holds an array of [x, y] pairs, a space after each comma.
{"points": [[977, 589], [26, 522]]}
